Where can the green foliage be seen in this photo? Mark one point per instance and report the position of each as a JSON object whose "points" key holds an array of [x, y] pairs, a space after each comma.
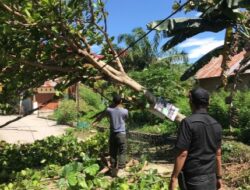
{"points": [[78, 175], [89, 104], [219, 109], [161, 80], [166, 127], [146, 52], [148, 181], [8, 108], [93, 100], [80, 172], [242, 103], [235, 152], [52, 150], [43, 41], [142, 53], [66, 112], [183, 104], [75, 176]]}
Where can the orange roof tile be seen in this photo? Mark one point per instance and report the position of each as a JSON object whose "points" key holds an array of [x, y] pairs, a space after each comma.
{"points": [[213, 68]]}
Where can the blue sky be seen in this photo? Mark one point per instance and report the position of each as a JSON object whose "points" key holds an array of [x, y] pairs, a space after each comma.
{"points": [[125, 15]]}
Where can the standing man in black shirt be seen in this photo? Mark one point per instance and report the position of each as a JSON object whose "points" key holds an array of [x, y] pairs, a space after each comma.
{"points": [[198, 162]]}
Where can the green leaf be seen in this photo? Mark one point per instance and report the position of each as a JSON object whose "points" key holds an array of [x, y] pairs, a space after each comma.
{"points": [[124, 186], [92, 170], [43, 161], [27, 12], [72, 178], [83, 184]]}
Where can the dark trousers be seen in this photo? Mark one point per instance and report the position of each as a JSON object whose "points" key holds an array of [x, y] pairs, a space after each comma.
{"points": [[202, 182], [117, 150]]}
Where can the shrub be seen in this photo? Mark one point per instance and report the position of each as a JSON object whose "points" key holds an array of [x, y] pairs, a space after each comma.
{"points": [[92, 99], [219, 109], [235, 152], [244, 134], [66, 112], [166, 127], [242, 103], [52, 150], [183, 104]]}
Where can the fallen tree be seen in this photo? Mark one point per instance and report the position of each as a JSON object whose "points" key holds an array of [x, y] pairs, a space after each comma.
{"points": [[47, 39]]}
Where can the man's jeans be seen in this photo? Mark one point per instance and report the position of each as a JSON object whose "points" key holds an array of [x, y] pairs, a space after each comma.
{"points": [[202, 182], [117, 150]]}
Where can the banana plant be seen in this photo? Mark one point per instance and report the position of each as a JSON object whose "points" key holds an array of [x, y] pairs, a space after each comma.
{"points": [[216, 15]]}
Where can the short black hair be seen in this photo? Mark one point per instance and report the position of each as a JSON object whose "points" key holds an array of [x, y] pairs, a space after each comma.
{"points": [[117, 99], [199, 97]]}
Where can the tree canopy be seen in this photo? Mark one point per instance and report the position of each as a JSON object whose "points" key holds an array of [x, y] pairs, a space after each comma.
{"points": [[48, 39]]}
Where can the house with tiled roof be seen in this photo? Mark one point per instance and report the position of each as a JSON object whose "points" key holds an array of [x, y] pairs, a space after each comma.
{"points": [[209, 78], [44, 94]]}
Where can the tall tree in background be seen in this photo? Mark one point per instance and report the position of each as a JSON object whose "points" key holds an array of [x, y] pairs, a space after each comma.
{"points": [[147, 52]]}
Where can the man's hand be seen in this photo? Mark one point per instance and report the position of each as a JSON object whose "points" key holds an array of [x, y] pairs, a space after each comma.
{"points": [[173, 183], [219, 184]]}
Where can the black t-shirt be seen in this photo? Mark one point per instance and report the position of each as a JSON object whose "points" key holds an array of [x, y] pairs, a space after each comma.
{"points": [[200, 135]]}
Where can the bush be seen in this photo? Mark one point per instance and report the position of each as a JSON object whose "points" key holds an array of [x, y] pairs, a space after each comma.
{"points": [[166, 127], [52, 150], [242, 103], [244, 135], [219, 109], [66, 112], [93, 101], [183, 104], [235, 152]]}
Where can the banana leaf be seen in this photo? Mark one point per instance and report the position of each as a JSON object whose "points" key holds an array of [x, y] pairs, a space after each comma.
{"points": [[205, 26], [213, 19]]}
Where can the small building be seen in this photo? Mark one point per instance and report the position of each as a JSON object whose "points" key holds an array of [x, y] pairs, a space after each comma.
{"points": [[44, 94], [209, 78]]}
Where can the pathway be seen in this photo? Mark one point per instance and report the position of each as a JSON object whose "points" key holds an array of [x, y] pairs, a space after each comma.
{"points": [[29, 129]]}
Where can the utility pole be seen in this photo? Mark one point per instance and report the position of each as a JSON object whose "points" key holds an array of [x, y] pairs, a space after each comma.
{"points": [[77, 103]]}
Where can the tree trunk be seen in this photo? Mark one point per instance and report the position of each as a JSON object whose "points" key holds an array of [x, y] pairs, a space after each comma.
{"points": [[149, 96], [121, 77]]}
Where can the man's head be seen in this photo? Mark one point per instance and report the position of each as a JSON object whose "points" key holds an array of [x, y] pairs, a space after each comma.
{"points": [[117, 99], [199, 97]]}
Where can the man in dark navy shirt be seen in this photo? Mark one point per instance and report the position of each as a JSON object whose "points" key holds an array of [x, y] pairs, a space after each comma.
{"points": [[198, 162]]}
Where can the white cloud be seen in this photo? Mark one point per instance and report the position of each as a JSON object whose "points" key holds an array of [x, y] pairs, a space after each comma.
{"points": [[198, 14], [196, 47]]}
